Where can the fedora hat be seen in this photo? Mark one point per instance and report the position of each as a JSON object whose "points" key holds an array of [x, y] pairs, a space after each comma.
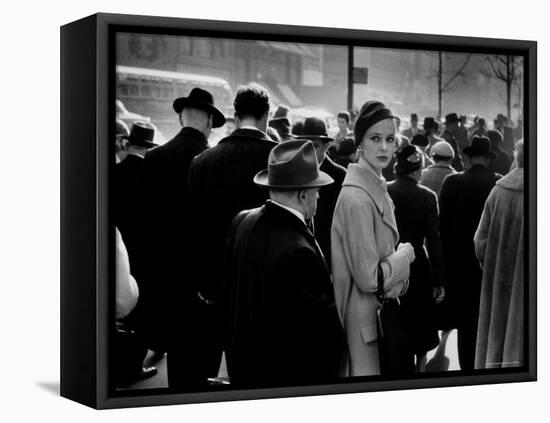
{"points": [[141, 135], [479, 146], [451, 118], [292, 165], [203, 100], [315, 128], [281, 112], [430, 123]]}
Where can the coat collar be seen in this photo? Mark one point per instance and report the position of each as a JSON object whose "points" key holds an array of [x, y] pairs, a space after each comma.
{"points": [[375, 187], [248, 133]]}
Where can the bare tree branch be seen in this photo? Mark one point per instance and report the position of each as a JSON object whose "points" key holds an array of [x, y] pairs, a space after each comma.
{"points": [[459, 72]]}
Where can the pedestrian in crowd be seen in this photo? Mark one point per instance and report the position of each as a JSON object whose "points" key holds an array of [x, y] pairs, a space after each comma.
{"points": [[347, 153], [121, 132], [364, 235], [502, 125], [421, 141], [283, 325], [281, 123], [129, 197], [221, 185], [502, 162], [499, 246], [315, 130], [461, 203], [342, 120], [416, 213], [175, 309], [481, 130], [413, 129], [449, 135], [388, 172], [462, 134], [434, 175], [431, 130]]}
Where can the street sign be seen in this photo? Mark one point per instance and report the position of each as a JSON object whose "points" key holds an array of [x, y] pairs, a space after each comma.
{"points": [[360, 75]]}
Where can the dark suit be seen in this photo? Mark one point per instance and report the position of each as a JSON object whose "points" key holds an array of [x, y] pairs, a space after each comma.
{"points": [[283, 324], [416, 213], [129, 213], [221, 185], [172, 300], [457, 163], [462, 200], [325, 206]]}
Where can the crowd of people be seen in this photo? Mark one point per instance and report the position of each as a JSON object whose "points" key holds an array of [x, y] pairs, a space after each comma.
{"points": [[270, 245]]}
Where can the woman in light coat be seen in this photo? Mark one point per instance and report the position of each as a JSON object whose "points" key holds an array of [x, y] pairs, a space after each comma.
{"points": [[364, 235]]}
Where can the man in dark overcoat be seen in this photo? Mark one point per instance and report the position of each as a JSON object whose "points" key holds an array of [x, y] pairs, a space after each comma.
{"points": [[173, 293], [315, 130], [129, 211], [449, 135], [220, 184], [283, 324], [462, 200]]}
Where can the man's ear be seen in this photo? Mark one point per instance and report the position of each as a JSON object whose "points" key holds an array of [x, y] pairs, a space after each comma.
{"points": [[302, 196]]}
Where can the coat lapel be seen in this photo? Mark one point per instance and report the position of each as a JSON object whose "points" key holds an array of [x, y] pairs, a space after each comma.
{"points": [[375, 189]]}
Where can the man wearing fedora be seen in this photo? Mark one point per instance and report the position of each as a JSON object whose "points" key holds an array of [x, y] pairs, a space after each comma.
{"points": [[414, 129], [449, 135], [220, 186], [173, 303], [129, 218], [283, 327], [462, 200], [315, 130], [281, 123]]}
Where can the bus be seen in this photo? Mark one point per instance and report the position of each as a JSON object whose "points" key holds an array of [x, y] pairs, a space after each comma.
{"points": [[151, 92]]}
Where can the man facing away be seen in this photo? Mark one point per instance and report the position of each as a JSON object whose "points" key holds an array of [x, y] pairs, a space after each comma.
{"points": [[461, 203], [173, 303], [220, 186], [283, 327]]}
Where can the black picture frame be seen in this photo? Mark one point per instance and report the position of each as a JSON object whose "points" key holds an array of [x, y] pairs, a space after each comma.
{"points": [[87, 238]]}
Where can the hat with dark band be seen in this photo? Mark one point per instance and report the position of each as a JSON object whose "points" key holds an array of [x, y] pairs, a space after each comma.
{"points": [[479, 146], [292, 165], [203, 100], [408, 160], [315, 128], [141, 135], [371, 113]]}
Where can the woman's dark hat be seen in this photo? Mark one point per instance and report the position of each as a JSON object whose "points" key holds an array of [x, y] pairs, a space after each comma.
{"points": [[315, 128], [420, 140], [408, 160], [479, 146], [141, 135], [203, 100], [371, 113], [292, 165]]}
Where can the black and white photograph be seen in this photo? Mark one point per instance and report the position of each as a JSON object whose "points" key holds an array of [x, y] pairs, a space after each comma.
{"points": [[300, 214]]}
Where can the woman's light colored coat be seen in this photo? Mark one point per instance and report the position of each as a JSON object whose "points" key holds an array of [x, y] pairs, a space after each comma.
{"points": [[364, 234]]}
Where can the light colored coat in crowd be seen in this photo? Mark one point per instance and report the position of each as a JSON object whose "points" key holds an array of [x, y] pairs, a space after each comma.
{"points": [[364, 234], [499, 247]]}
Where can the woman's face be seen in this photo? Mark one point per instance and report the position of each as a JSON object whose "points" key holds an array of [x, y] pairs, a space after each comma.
{"points": [[379, 144]]}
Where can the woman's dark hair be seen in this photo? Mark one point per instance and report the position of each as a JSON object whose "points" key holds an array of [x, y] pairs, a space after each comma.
{"points": [[371, 113], [344, 115], [252, 100]]}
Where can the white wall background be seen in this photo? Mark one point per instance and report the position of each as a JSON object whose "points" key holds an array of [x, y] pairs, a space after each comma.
{"points": [[29, 211]]}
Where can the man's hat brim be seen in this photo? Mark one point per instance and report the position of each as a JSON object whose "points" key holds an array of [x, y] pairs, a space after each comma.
{"points": [[316, 137], [183, 102], [323, 179], [139, 142]]}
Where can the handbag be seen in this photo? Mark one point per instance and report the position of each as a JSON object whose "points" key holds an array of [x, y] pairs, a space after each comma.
{"points": [[394, 348]]}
